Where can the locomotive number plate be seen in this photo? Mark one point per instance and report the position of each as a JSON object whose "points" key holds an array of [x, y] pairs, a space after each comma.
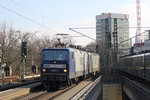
{"points": [[54, 66]]}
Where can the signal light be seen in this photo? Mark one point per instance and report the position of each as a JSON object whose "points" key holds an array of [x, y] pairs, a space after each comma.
{"points": [[44, 70], [24, 49]]}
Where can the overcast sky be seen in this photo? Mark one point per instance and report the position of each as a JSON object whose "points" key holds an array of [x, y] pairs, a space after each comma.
{"points": [[57, 16]]}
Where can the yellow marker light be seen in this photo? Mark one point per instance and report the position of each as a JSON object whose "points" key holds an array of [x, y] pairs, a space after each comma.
{"points": [[65, 70], [127, 16], [10, 81], [44, 70]]}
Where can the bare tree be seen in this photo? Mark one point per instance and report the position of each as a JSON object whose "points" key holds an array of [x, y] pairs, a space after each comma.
{"points": [[61, 40], [35, 46], [8, 46], [91, 47]]}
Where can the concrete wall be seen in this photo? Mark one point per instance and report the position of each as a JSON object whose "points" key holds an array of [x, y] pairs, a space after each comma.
{"points": [[112, 92]]}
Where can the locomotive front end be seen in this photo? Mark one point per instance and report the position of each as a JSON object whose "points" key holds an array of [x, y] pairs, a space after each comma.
{"points": [[54, 67]]}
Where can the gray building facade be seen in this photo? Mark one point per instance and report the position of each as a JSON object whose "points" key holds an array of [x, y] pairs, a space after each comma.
{"points": [[122, 29]]}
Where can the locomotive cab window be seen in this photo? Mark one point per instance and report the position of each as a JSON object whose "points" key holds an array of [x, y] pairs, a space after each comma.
{"points": [[61, 55], [55, 55], [49, 55]]}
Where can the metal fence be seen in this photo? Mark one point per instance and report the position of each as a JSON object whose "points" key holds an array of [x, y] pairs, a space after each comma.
{"points": [[137, 92], [93, 91]]}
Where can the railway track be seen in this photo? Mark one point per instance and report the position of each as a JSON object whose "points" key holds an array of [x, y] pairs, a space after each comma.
{"points": [[17, 92], [53, 94], [36, 92], [9, 79], [45, 95], [18, 84]]}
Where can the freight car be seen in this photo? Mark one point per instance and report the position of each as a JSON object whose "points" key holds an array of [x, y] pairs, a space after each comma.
{"points": [[61, 66]]}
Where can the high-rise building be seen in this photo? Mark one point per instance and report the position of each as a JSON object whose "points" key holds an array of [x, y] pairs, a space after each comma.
{"points": [[105, 23]]}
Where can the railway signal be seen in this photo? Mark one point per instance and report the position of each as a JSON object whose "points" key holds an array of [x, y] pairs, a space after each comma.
{"points": [[23, 56], [24, 49]]}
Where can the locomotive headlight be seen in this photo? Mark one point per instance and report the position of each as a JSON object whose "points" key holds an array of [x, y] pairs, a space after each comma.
{"points": [[44, 70], [65, 70]]}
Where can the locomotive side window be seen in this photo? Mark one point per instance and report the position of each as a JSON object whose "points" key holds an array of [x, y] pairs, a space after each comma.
{"points": [[72, 55]]}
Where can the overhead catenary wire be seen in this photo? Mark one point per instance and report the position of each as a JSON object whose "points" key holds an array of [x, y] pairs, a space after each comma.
{"points": [[29, 9], [38, 22], [82, 34], [37, 13], [130, 38], [76, 36], [21, 5], [86, 36], [104, 27], [33, 21]]}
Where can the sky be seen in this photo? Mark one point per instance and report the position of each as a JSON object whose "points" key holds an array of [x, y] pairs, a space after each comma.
{"points": [[49, 17]]}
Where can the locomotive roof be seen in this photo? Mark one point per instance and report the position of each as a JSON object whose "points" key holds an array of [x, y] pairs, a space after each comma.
{"points": [[70, 49]]}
